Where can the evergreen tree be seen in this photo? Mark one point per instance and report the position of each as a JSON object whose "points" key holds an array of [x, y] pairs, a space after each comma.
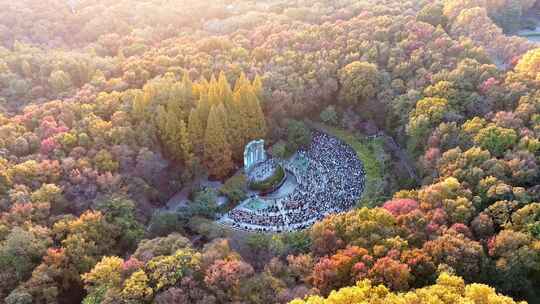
{"points": [[213, 92], [236, 131], [168, 130], [203, 107], [240, 82], [196, 131], [258, 87], [217, 151], [235, 126], [175, 98], [187, 84], [254, 123], [257, 120], [199, 87], [225, 93], [186, 146]]}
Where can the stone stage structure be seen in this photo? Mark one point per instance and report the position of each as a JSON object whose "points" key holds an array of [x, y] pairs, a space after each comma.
{"points": [[254, 154]]}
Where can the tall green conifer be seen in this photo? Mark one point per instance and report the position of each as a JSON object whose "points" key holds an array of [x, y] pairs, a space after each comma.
{"points": [[241, 81], [253, 121], [203, 107], [217, 151], [213, 92], [258, 87], [186, 146], [200, 86], [224, 91], [187, 84], [196, 131]]}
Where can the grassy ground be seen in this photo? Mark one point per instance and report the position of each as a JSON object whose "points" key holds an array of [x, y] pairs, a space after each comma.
{"points": [[372, 154]]}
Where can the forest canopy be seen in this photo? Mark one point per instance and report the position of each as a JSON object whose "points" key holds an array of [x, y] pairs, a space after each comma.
{"points": [[110, 111]]}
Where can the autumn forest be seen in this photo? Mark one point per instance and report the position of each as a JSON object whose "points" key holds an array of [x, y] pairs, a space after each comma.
{"points": [[123, 127]]}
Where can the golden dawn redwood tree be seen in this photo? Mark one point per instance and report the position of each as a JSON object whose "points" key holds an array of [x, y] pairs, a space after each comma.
{"points": [[217, 151]]}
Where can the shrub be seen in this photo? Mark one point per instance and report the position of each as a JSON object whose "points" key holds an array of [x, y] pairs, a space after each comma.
{"points": [[279, 150], [329, 116], [270, 183], [234, 189], [164, 223]]}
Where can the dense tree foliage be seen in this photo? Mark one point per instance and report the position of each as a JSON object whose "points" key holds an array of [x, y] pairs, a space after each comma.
{"points": [[449, 289], [108, 108]]}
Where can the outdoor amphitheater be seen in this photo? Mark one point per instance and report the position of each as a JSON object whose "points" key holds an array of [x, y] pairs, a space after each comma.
{"points": [[323, 179]]}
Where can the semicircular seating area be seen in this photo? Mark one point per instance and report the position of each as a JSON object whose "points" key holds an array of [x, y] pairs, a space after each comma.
{"points": [[330, 179]]}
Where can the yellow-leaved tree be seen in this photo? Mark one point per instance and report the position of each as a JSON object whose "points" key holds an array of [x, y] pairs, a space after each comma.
{"points": [[217, 151], [449, 289]]}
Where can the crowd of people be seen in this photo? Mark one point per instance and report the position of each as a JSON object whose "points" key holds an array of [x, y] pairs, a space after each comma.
{"points": [[330, 179], [261, 221]]}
